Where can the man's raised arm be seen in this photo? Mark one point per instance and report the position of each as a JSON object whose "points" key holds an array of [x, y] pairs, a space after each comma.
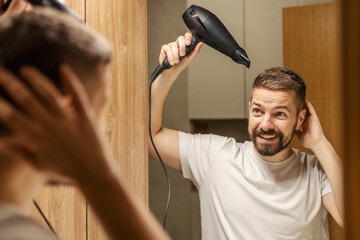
{"points": [[167, 140]]}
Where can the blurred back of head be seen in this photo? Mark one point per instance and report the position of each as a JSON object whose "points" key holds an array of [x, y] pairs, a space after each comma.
{"points": [[46, 38]]}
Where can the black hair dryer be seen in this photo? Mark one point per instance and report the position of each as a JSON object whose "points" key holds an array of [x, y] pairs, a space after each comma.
{"points": [[206, 27]]}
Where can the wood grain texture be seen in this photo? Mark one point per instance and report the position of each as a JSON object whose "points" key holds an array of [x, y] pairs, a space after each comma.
{"points": [[351, 76], [77, 6], [312, 49], [125, 117], [64, 206]]}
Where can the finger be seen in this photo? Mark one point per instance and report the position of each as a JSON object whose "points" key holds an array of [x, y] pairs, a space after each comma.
{"points": [[188, 37], [17, 6], [22, 95], [44, 88], [311, 110], [182, 46], [198, 47], [194, 53], [162, 55], [168, 54], [12, 118], [2, 3], [16, 153], [16, 142], [75, 88], [10, 141], [7, 154], [175, 52], [309, 106]]}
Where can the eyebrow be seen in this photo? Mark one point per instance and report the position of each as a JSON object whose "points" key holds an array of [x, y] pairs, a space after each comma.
{"points": [[282, 107], [277, 107]]}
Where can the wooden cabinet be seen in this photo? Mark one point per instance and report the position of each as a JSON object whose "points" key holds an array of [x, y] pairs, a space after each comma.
{"points": [[125, 117], [351, 88], [312, 49]]}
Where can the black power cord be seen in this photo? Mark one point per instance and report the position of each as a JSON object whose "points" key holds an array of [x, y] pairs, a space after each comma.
{"points": [[47, 222], [155, 74]]}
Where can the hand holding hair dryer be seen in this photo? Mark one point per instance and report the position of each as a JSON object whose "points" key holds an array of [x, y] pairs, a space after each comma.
{"points": [[206, 27]]}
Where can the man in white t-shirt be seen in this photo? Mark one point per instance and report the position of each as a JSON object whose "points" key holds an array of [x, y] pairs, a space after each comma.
{"points": [[261, 189]]}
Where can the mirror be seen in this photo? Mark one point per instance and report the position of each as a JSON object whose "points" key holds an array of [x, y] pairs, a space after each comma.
{"points": [[213, 93]]}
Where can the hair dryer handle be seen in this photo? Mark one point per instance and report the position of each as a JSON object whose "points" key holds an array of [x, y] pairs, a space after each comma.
{"points": [[194, 41]]}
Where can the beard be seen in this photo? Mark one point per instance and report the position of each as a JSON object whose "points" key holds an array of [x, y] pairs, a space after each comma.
{"points": [[271, 149]]}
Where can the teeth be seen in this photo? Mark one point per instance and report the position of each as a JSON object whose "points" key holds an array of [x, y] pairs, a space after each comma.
{"points": [[268, 136]]}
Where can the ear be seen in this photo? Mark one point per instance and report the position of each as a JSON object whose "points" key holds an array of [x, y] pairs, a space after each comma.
{"points": [[301, 118]]}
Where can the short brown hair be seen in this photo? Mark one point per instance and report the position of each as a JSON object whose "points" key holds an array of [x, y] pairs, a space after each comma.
{"points": [[281, 78], [45, 38]]}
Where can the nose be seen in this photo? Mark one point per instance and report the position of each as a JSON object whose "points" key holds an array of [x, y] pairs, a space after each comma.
{"points": [[267, 124]]}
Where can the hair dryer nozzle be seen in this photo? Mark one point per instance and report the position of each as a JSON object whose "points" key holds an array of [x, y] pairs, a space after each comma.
{"points": [[241, 57]]}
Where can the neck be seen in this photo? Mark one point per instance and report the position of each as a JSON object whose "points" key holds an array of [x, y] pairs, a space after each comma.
{"points": [[279, 157], [20, 182]]}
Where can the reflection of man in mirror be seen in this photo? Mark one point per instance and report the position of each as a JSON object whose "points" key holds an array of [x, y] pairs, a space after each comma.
{"points": [[261, 189]]}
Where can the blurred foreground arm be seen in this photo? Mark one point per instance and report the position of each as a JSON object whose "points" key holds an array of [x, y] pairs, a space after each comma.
{"points": [[59, 134]]}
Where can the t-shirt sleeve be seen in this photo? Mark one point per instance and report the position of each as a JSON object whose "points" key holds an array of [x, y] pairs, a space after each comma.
{"points": [[23, 228], [197, 152], [324, 181]]}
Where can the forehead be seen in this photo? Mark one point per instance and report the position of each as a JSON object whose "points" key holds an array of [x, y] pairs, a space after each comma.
{"points": [[273, 98]]}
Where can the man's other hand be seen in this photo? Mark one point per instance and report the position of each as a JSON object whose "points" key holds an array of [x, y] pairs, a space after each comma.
{"points": [[312, 133]]}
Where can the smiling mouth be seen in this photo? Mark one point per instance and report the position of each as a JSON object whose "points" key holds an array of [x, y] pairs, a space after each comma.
{"points": [[268, 136]]}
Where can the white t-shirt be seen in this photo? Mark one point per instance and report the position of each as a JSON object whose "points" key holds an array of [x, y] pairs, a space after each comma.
{"points": [[245, 197], [15, 224]]}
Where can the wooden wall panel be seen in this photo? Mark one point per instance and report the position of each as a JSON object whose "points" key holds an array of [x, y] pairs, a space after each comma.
{"points": [[78, 6], [124, 24], [312, 49], [64, 206], [351, 81]]}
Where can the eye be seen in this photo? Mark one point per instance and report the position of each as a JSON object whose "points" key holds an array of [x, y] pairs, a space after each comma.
{"points": [[256, 112], [280, 114]]}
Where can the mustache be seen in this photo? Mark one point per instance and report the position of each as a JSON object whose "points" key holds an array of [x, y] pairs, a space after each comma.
{"points": [[269, 132]]}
